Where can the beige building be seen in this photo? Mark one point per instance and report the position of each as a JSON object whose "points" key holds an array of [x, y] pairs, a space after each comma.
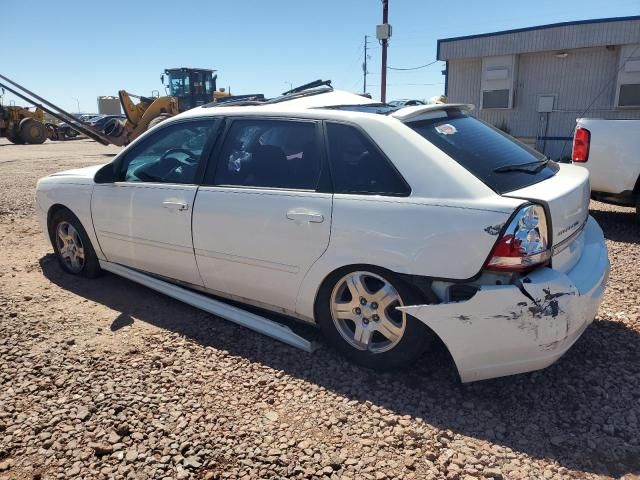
{"points": [[109, 105], [534, 82]]}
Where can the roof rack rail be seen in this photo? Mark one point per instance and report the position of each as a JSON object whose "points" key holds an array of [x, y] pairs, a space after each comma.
{"points": [[306, 86], [237, 100]]}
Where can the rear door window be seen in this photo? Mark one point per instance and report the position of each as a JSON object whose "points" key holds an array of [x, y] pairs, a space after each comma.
{"points": [[270, 154], [358, 166], [500, 161]]}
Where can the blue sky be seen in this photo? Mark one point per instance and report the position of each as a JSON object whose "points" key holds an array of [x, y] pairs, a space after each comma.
{"points": [[82, 49]]}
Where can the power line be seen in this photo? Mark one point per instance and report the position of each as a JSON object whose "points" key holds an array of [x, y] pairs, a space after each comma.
{"points": [[352, 63], [354, 84], [414, 68], [358, 51]]}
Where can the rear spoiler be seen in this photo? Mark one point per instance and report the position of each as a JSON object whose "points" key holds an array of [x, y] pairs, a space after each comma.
{"points": [[412, 113]]}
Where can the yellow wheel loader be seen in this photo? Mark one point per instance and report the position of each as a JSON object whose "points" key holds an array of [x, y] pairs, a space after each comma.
{"points": [[147, 113], [21, 125], [187, 88]]}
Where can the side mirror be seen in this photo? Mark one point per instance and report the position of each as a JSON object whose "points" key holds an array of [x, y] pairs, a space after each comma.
{"points": [[162, 79], [106, 174]]}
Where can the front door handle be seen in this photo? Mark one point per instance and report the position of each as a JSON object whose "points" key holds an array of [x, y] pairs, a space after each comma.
{"points": [[180, 206], [305, 216]]}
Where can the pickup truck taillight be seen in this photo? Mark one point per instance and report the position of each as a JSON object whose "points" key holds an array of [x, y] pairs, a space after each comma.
{"points": [[581, 139], [524, 244]]}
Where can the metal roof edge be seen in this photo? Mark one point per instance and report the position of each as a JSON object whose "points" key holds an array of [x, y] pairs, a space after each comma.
{"points": [[529, 29]]}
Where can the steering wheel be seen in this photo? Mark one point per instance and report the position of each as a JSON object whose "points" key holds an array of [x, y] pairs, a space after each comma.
{"points": [[166, 167], [188, 153]]}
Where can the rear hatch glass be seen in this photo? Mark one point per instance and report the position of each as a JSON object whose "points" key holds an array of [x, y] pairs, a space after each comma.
{"points": [[497, 159]]}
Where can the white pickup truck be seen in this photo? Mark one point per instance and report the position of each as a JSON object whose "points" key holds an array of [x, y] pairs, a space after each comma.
{"points": [[610, 150]]}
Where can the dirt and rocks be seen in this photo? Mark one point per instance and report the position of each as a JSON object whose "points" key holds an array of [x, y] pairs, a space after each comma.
{"points": [[107, 379]]}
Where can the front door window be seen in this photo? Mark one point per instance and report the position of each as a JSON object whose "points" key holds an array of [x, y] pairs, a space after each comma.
{"points": [[172, 155]]}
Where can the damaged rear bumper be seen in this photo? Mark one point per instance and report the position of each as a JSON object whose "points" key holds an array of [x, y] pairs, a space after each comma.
{"points": [[509, 329]]}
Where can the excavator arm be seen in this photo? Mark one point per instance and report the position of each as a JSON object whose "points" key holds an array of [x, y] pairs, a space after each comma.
{"points": [[140, 115]]}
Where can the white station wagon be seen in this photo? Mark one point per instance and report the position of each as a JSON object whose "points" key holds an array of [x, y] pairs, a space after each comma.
{"points": [[386, 228]]}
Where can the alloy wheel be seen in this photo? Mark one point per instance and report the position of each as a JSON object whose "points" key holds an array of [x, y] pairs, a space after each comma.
{"points": [[70, 246], [363, 309]]}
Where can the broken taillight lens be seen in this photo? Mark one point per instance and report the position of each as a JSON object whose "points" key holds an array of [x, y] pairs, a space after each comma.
{"points": [[524, 244], [581, 141]]}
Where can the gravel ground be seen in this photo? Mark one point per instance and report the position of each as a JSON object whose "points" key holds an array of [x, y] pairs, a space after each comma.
{"points": [[107, 379]]}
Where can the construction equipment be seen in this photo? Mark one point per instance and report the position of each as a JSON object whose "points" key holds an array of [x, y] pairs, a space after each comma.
{"points": [[21, 125], [148, 112], [192, 87], [41, 106], [187, 88]]}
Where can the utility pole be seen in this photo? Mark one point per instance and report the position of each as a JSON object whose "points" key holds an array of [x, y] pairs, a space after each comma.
{"points": [[364, 66], [385, 41]]}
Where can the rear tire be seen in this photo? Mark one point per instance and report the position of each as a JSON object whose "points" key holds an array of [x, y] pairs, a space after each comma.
{"points": [[72, 246], [32, 131], [356, 312]]}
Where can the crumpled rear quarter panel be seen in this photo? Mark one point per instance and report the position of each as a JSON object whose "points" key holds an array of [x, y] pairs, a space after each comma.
{"points": [[505, 329]]}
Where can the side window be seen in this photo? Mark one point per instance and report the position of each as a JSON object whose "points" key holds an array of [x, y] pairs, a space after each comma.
{"points": [[171, 155], [270, 154], [357, 166]]}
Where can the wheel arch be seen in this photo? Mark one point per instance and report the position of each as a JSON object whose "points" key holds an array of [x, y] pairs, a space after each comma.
{"points": [[420, 288], [91, 267], [58, 207], [53, 210]]}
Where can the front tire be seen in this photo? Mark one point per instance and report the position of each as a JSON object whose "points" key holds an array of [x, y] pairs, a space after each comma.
{"points": [[356, 312], [32, 131], [72, 245]]}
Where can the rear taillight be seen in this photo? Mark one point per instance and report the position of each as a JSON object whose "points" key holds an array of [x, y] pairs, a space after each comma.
{"points": [[581, 140], [524, 244]]}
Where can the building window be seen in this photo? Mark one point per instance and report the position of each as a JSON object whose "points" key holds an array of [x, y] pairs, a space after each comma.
{"points": [[629, 95], [497, 84], [495, 98], [628, 86]]}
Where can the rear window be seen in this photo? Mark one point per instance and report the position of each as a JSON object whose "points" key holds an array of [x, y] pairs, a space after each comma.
{"points": [[483, 149]]}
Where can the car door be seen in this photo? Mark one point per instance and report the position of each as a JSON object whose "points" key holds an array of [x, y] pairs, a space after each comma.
{"points": [[143, 219], [263, 214]]}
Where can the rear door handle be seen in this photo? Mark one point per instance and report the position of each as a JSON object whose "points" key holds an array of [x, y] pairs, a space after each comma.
{"points": [[180, 206], [305, 216]]}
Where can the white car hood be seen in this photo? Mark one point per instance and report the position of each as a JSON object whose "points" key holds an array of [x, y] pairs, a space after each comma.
{"points": [[86, 172]]}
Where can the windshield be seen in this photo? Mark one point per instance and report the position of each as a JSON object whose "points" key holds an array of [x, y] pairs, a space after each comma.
{"points": [[497, 159], [178, 84]]}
